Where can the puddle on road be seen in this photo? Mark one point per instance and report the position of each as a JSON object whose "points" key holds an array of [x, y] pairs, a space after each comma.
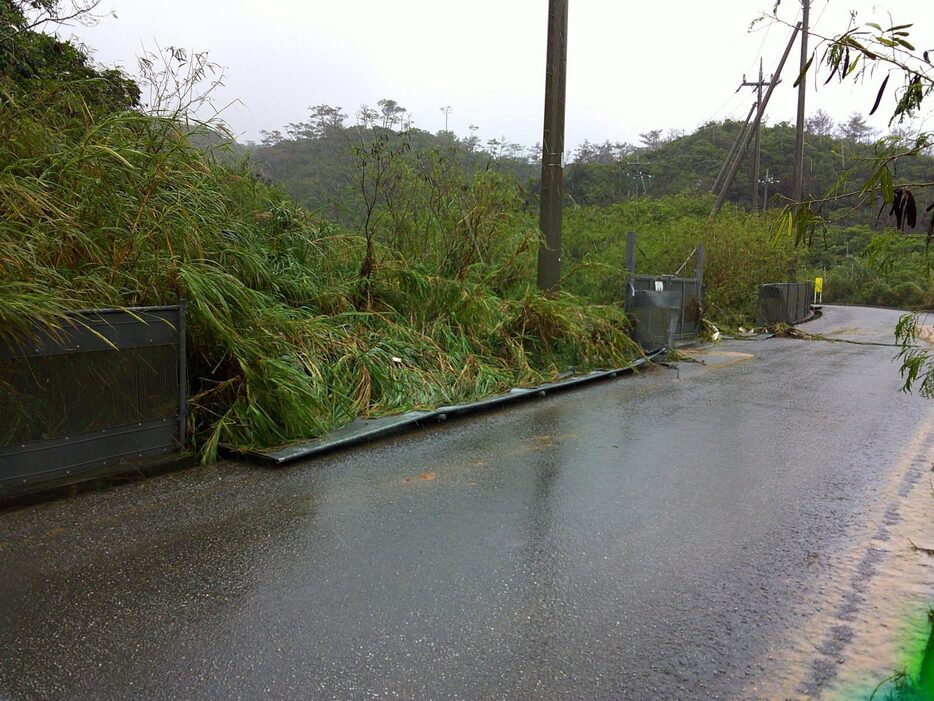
{"points": [[870, 619], [714, 359], [458, 469]]}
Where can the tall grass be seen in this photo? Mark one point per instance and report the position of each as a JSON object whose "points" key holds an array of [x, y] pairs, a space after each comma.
{"points": [[287, 339]]}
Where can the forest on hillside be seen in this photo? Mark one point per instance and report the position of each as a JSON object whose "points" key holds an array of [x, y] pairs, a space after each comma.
{"points": [[317, 160]]}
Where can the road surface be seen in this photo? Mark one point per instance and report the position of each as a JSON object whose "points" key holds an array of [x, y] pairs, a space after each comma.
{"points": [[654, 537]]}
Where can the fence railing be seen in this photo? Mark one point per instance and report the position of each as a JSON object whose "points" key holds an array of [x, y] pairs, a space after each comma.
{"points": [[106, 391], [784, 302]]}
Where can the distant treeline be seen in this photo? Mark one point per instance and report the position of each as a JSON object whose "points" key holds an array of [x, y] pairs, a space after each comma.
{"points": [[315, 160]]}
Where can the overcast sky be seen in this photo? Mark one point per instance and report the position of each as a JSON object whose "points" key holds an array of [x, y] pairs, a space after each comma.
{"points": [[632, 66]]}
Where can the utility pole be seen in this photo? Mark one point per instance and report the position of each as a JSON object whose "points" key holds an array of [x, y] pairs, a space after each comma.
{"points": [[768, 180], [797, 188], [757, 148], [731, 175], [638, 178], [549, 252], [732, 152]]}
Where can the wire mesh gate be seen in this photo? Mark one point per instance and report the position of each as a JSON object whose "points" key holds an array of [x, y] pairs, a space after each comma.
{"points": [[104, 392], [667, 309]]}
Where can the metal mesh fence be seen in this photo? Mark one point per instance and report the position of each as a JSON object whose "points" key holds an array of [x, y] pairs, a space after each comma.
{"points": [[107, 388], [681, 295], [784, 302]]}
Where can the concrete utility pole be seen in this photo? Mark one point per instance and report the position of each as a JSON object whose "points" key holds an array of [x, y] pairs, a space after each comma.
{"points": [[549, 253], [757, 148], [731, 175], [797, 188]]}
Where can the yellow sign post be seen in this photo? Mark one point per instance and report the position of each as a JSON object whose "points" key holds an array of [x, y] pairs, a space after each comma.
{"points": [[818, 289]]}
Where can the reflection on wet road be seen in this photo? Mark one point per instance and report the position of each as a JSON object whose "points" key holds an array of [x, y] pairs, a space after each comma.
{"points": [[652, 537]]}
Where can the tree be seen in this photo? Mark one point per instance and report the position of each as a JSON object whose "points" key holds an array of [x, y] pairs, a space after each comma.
{"points": [[878, 52], [18, 16], [585, 153], [856, 129], [366, 116], [820, 124], [473, 141], [29, 56], [271, 138], [651, 139], [446, 111], [391, 112], [871, 52], [323, 118]]}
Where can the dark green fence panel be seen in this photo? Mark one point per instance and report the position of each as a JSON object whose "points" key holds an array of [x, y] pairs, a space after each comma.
{"points": [[667, 309], [784, 302], [103, 393]]}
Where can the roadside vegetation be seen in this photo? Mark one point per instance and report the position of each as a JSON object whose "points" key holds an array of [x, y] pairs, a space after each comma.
{"points": [[296, 325], [340, 271]]}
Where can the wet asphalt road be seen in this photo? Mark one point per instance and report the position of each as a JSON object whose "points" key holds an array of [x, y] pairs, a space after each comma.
{"points": [[651, 537]]}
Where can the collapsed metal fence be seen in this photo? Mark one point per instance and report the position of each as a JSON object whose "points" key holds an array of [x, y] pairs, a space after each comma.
{"points": [[106, 390], [667, 309], [680, 297], [784, 302]]}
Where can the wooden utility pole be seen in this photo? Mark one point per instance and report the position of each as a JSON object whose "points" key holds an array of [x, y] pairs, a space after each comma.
{"points": [[549, 252], [797, 187], [757, 148], [731, 175]]}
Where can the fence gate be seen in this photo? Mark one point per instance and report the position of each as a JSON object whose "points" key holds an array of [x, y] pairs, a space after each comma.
{"points": [[667, 309], [105, 392]]}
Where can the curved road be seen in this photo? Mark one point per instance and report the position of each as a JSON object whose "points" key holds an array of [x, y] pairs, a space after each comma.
{"points": [[652, 537]]}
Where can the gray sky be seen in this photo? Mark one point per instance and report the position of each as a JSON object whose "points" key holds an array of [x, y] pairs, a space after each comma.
{"points": [[632, 66]]}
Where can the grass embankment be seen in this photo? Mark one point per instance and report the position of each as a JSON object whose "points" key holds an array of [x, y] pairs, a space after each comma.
{"points": [[290, 334]]}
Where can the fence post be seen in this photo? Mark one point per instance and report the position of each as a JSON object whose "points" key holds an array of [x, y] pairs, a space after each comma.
{"points": [[684, 286], [699, 276], [630, 265], [182, 375]]}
